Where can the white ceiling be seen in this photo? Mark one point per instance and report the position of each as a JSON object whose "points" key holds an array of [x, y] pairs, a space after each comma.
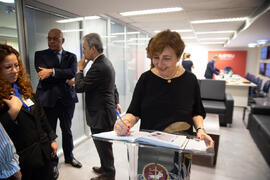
{"points": [[192, 10]]}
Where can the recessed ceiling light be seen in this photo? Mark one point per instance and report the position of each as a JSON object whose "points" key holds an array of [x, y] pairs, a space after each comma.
{"points": [[183, 30], [139, 39], [135, 44], [123, 33], [118, 41], [78, 19], [108, 36], [70, 20], [219, 20], [7, 1], [261, 42], [207, 39], [216, 32], [91, 17], [211, 42], [151, 11], [252, 45], [192, 37], [72, 30], [177, 30]]}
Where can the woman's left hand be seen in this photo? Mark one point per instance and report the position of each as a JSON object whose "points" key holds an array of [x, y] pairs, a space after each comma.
{"points": [[201, 134], [54, 148]]}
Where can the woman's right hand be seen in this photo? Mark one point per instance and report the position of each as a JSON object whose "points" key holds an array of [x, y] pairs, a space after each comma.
{"points": [[121, 128], [15, 105]]}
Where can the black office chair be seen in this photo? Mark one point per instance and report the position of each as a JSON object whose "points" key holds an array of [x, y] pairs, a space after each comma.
{"points": [[265, 89], [227, 69]]}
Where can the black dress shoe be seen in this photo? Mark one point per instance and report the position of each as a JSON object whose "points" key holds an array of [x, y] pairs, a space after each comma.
{"points": [[102, 177], [74, 162], [97, 170], [55, 172]]}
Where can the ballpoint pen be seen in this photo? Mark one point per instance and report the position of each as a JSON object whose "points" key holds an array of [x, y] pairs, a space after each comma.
{"points": [[117, 113]]}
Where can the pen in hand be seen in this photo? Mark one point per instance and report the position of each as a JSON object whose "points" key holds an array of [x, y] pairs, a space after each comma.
{"points": [[117, 113], [128, 127]]}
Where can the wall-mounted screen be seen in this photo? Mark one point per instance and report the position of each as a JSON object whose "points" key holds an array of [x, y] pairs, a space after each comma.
{"points": [[268, 52], [264, 52], [267, 70], [262, 68]]}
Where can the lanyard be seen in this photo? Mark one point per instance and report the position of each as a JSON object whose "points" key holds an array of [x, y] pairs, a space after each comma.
{"points": [[18, 94]]}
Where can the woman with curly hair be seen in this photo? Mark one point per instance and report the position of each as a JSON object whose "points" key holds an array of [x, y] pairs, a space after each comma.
{"points": [[24, 119]]}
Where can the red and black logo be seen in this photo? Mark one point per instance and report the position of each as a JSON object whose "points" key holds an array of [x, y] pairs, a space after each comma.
{"points": [[153, 171]]}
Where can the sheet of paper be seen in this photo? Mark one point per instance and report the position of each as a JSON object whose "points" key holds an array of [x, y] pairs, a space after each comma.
{"points": [[196, 145]]}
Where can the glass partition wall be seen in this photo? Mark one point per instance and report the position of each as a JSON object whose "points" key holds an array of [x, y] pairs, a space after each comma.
{"points": [[116, 53], [8, 25], [123, 45], [39, 23]]}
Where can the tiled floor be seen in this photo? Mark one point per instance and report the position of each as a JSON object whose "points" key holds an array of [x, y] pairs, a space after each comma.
{"points": [[238, 158]]}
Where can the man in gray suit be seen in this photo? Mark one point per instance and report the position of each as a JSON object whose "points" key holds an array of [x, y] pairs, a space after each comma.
{"points": [[101, 99]]}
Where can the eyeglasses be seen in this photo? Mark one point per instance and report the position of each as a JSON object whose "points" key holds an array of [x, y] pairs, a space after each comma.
{"points": [[53, 38]]}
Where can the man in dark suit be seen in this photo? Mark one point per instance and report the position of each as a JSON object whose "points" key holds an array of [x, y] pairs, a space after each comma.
{"points": [[211, 69], [56, 68], [101, 99]]}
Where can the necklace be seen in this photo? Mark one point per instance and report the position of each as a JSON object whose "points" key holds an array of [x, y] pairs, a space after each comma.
{"points": [[169, 79]]}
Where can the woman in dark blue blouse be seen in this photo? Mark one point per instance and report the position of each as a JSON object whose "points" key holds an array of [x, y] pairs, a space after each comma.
{"points": [[187, 63]]}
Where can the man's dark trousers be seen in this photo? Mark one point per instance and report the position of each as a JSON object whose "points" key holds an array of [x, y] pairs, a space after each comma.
{"points": [[65, 115], [105, 151]]}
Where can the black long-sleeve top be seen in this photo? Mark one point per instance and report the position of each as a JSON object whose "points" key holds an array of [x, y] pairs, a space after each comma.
{"points": [[159, 103]]}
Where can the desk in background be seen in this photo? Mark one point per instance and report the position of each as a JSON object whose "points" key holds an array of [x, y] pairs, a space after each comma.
{"points": [[238, 87]]}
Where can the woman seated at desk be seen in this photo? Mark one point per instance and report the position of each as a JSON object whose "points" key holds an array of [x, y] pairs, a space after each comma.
{"points": [[167, 96]]}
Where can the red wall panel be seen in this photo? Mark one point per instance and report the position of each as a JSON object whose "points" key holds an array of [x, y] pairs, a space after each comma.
{"points": [[235, 59]]}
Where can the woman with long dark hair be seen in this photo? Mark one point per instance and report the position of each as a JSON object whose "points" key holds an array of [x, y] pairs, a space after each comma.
{"points": [[24, 119]]}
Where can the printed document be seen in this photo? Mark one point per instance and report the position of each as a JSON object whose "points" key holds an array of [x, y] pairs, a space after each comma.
{"points": [[157, 138]]}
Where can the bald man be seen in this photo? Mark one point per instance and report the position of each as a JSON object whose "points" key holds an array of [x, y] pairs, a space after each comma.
{"points": [[56, 69]]}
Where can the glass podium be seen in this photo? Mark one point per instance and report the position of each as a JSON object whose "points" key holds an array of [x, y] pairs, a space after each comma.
{"points": [[151, 162]]}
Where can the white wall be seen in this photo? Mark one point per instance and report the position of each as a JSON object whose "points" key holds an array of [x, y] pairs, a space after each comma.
{"points": [[199, 57], [252, 58]]}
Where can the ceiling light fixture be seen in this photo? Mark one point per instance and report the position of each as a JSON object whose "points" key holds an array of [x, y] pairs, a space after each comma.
{"points": [[252, 45], [207, 39], [212, 43], [262, 42], [135, 44], [78, 19], [177, 30], [7, 1], [151, 11], [192, 37], [216, 32], [108, 36], [219, 20], [182, 30], [139, 39], [123, 33], [70, 20], [72, 30], [91, 17]]}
